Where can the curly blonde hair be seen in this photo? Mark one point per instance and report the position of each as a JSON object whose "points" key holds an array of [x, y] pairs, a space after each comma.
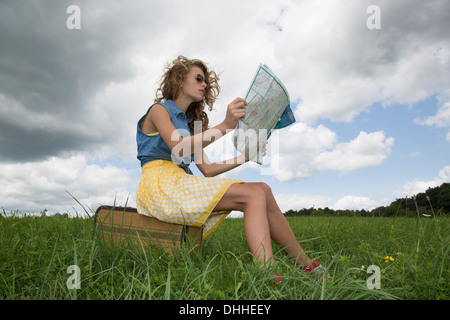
{"points": [[172, 79]]}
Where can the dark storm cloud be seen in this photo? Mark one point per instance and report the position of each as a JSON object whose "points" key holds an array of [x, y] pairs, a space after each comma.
{"points": [[20, 144], [47, 69]]}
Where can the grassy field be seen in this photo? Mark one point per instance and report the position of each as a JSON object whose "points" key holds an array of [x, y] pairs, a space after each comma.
{"points": [[412, 255]]}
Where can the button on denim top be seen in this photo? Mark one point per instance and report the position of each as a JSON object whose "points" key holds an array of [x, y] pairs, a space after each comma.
{"points": [[153, 147]]}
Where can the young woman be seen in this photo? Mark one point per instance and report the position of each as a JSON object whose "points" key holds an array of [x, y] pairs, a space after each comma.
{"points": [[167, 143]]}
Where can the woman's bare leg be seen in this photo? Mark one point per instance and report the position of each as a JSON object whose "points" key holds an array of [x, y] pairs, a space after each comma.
{"points": [[252, 202], [263, 221], [280, 230]]}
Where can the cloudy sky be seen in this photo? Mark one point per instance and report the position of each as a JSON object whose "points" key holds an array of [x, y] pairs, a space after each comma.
{"points": [[369, 87]]}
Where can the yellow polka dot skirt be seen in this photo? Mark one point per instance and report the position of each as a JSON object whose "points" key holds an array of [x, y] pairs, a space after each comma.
{"points": [[167, 193]]}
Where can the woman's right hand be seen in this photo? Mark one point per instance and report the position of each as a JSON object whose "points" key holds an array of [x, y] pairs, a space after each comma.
{"points": [[235, 111]]}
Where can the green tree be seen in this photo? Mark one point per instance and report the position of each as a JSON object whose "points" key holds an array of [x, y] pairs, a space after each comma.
{"points": [[443, 199]]}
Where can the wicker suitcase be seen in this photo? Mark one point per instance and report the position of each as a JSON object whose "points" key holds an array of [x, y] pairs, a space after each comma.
{"points": [[120, 225]]}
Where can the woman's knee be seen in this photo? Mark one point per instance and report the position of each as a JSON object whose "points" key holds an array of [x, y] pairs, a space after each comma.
{"points": [[262, 191], [241, 196], [272, 206], [264, 187], [254, 195], [258, 192]]}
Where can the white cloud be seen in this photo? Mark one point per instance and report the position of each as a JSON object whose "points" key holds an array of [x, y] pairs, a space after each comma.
{"points": [[416, 186], [440, 120], [366, 150], [413, 154], [358, 203], [300, 201], [305, 151], [297, 146], [44, 185]]}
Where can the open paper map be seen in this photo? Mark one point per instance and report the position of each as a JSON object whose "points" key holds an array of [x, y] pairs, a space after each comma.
{"points": [[268, 109]]}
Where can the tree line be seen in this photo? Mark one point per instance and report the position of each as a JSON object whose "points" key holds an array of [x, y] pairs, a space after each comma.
{"points": [[434, 201]]}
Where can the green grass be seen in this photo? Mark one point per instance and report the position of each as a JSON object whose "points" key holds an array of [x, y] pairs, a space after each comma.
{"points": [[36, 252]]}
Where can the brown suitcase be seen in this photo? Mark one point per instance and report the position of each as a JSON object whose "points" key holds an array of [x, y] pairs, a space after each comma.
{"points": [[120, 225]]}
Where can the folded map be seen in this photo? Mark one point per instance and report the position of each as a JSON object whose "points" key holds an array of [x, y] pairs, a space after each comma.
{"points": [[268, 109]]}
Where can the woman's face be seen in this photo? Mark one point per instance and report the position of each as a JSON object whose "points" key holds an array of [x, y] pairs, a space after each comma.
{"points": [[194, 86]]}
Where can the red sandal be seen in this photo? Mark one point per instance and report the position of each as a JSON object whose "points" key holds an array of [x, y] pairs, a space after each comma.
{"points": [[314, 268]]}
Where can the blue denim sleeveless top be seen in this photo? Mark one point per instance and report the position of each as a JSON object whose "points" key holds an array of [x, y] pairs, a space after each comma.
{"points": [[152, 147]]}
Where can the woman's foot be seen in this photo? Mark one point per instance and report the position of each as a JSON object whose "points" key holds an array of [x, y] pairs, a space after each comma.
{"points": [[314, 268]]}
